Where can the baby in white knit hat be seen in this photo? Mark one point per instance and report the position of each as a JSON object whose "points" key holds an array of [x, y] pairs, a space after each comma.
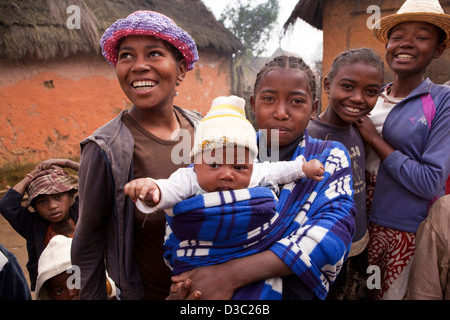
{"points": [[224, 153]]}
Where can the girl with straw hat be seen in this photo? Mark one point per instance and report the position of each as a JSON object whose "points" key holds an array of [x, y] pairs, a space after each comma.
{"points": [[429, 11], [409, 134]]}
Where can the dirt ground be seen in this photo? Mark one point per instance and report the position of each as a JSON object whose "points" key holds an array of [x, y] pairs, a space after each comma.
{"points": [[15, 244]]}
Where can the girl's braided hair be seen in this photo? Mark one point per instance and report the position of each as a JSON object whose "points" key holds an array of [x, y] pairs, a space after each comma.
{"points": [[288, 62], [361, 55]]}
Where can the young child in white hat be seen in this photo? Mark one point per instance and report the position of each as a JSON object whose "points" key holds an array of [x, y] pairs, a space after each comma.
{"points": [[57, 279], [224, 153], [54, 270]]}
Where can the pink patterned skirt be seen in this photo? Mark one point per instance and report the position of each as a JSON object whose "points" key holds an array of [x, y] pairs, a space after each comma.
{"points": [[391, 250]]}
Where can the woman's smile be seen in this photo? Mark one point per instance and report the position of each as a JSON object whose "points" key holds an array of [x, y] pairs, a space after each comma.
{"points": [[143, 85]]}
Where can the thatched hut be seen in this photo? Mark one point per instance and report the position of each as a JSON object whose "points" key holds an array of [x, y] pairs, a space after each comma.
{"points": [[344, 24], [55, 86]]}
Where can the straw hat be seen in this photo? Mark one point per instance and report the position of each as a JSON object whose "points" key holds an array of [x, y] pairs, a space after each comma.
{"points": [[414, 10]]}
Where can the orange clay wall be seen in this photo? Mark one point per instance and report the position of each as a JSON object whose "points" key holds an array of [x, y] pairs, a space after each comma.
{"points": [[46, 109]]}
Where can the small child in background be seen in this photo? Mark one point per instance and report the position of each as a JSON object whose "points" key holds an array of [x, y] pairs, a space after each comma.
{"points": [[353, 86], [52, 197], [229, 216], [215, 142], [57, 278], [54, 271]]}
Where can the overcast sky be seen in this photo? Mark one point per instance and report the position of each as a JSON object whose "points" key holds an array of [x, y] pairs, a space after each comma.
{"points": [[303, 40]]}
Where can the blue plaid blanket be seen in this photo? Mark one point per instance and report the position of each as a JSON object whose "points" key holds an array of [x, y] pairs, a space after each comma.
{"points": [[310, 227], [219, 226]]}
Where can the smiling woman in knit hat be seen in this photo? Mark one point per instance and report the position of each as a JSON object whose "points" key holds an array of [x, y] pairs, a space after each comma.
{"points": [[151, 56], [409, 137]]}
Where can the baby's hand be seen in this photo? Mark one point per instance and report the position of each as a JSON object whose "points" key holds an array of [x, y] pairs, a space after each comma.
{"points": [[314, 169], [144, 189]]}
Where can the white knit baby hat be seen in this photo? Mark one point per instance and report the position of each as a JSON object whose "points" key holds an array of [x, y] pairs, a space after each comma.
{"points": [[225, 125]]}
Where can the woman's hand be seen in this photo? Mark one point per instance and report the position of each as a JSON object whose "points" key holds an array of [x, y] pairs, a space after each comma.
{"points": [[207, 283], [220, 281]]}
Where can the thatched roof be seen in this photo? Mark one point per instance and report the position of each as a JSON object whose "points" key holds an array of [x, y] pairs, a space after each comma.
{"points": [[37, 29], [309, 11]]}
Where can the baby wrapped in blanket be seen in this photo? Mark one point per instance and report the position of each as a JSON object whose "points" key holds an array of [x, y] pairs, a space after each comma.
{"points": [[220, 209]]}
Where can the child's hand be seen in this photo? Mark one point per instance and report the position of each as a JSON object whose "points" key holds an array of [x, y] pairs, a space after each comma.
{"points": [[55, 163], [144, 189], [314, 169], [51, 163], [181, 291], [366, 128]]}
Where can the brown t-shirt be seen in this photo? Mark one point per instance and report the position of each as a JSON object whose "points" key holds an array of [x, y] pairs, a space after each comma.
{"points": [[152, 158]]}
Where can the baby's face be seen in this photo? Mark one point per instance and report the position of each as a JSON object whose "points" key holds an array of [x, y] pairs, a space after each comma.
{"points": [[222, 169]]}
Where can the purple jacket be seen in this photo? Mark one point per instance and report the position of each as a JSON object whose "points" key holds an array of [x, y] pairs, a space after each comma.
{"points": [[410, 177]]}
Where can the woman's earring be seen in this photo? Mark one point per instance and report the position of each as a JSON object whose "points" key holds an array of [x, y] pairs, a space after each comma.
{"points": [[176, 91]]}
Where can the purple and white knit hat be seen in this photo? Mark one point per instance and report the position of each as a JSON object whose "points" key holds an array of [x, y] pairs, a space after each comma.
{"points": [[148, 23]]}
